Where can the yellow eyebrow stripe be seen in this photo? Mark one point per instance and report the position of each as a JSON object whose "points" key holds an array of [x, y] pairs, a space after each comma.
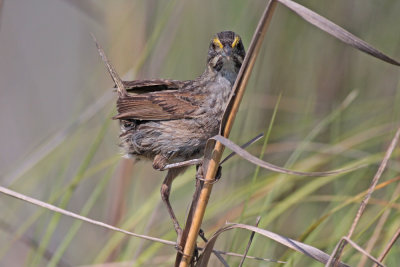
{"points": [[217, 42], [236, 41]]}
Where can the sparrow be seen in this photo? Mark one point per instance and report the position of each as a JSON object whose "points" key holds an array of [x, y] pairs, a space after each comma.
{"points": [[170, 121]]}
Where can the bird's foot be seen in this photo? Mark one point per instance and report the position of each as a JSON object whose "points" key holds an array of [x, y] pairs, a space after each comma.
{"points": [[200, 176]]}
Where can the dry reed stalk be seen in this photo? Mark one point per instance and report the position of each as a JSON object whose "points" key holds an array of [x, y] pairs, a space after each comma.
{"points": [[56, 209], [379, 227], [212, 159], [389, 245], [336, 254], [249, 243]]}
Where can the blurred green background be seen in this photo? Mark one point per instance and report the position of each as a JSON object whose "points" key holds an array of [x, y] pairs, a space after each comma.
{"points": [[339, 107]]}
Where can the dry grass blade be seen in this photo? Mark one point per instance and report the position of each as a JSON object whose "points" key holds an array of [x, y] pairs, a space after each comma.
{"points": [[336, 31], [389, 245], [240, 255], [263, 164], [252, 141], [344, 204], [360, 249], [48, 206], [305, 249], [205, 255], [379, 227], [114, 75], [212, 159], [221, 259], [77, 216], [249, 243], [199, 161], [345, 240], [371, 189]]}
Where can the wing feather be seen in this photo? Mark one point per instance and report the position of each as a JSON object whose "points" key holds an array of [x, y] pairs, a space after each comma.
{"points": [[162, 105], [147, 86]]}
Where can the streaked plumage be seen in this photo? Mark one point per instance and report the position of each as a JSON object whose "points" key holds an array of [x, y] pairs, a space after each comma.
{"points": [[170, 121]]}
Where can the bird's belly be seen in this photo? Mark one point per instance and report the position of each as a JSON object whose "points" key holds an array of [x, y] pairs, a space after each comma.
{"points": [[176, 140], [181, 139]]}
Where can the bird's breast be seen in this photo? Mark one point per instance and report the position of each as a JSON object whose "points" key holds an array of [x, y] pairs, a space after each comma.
{"points": [[218, 93]]}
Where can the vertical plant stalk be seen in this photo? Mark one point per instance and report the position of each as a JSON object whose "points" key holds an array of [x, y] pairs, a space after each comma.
{"points": [[389, 245], [249, 243], [212, 159], [379, 227], [336, 254]]}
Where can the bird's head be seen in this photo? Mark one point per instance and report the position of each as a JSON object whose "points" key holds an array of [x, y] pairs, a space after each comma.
{"points": [[226, 52]]}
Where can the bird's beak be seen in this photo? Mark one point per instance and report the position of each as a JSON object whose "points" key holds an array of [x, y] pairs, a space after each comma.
{"points": [[227, 52]]}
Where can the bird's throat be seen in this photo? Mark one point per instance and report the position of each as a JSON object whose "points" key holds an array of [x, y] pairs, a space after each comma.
{"points": [[229, 72]]}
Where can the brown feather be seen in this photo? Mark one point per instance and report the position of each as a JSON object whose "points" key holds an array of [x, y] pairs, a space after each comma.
{"points": [[163, 105], [147, 86], [170, 121]]}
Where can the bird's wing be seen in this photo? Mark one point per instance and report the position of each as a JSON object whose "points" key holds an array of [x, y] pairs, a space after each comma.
{"points": [[147, 86], [162, 105]]}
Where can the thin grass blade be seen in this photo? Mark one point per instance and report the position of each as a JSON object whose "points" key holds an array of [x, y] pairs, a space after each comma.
{"points": [[389, 245], [371, 189], [266, 165], [249, 243], [336, 31], [305, 249]]}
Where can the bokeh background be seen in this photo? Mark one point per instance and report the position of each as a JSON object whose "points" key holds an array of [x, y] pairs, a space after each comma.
{"points": [[338, 108]]}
